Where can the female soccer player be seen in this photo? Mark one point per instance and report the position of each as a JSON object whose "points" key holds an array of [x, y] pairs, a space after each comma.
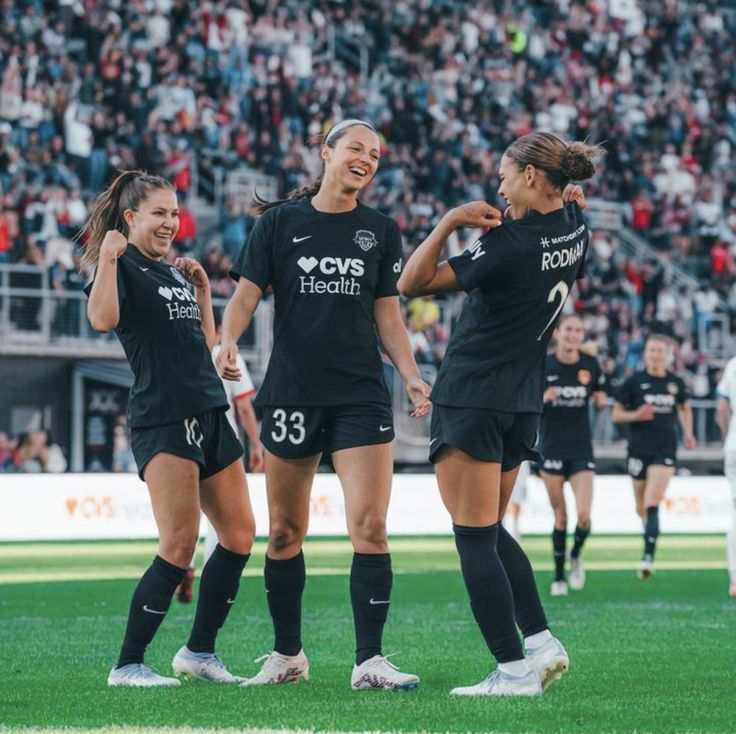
{"points": [[651, 401], [565, 442], [333, 264], [488, 394], [183, 445]]}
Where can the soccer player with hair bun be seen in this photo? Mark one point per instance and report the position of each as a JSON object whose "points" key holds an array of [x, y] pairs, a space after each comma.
{"points": [[333, 264], [651, 402], [488, 395], [183, 445]]}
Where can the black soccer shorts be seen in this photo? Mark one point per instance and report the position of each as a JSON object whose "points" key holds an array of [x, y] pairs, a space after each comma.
{"points": [[486, 435], [637, 464], [567, 467], [299, 432], [207, 438]]}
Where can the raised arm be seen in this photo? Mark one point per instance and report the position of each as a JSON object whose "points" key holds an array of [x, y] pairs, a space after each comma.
{"points": [[193, 271], [423, 274], [103, 309], [236, 319]]}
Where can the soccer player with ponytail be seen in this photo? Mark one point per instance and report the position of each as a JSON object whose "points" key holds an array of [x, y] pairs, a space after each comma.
{"points": [[333, 264], [488, 395], [183, 445]]}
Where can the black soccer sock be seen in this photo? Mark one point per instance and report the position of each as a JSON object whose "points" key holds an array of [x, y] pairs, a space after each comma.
{"points": [[489, 589], [580, 536], [148, 607], [559, 540], [651, 531], [218, 588], [527, 605], [284, 588], [371, 579]]}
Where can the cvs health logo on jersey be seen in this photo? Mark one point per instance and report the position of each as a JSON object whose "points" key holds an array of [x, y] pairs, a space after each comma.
{"points": [[180, 303], [340, 272]]}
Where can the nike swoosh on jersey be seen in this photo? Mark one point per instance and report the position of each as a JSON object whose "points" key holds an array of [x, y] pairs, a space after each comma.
{"points": [[143, 270], [645, 386], [146, 608], [552, 378], [383, 429], [300, 239]]}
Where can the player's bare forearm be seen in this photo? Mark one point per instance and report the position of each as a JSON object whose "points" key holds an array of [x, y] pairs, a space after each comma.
{"points": [[685, 414], [421, 267], [248, 420], [394, 337], [240, 309]]}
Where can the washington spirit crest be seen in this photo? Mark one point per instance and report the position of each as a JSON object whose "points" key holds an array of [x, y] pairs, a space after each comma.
{"points": [[365, 239], [177, 274]]}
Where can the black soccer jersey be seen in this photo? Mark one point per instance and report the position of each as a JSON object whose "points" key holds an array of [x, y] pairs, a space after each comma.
{"points": [[518, 277], [564, 429], [664, 394], [160, 329], [326, 270]]}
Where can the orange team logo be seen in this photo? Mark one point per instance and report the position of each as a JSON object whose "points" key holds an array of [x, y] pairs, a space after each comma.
{"points": [[584, 377]]}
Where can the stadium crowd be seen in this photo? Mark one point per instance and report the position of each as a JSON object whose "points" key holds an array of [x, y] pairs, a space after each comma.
{"points": [[194, 91]]}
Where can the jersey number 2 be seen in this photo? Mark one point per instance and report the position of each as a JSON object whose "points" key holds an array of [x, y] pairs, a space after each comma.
{"points": [[561, 289], [297, 433]]}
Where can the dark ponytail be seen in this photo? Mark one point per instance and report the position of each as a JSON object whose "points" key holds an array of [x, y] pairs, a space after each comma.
{"points": [[127, 191]]}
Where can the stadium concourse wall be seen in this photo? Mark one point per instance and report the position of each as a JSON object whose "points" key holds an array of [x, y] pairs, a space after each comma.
{"points": [[116, 506]]}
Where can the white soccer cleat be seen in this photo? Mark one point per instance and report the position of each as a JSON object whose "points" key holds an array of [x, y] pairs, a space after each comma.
{"points": [[379, 673], [279, 668], [646, 569], [499, 683], [558, 588], [577, 574], [138, 675], [202, 666], [549, 660]]}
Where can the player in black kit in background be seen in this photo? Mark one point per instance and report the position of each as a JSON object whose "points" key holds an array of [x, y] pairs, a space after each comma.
{"points": [[183, 445], [573, 379], [333, 264], [488, 394], [651, 401]]}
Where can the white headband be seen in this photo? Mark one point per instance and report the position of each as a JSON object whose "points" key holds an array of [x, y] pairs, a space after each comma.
{"points": [[347, 123]]}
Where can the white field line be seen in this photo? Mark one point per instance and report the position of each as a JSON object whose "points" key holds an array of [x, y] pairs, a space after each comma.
{"points": [[332, 547], [93, 574]]}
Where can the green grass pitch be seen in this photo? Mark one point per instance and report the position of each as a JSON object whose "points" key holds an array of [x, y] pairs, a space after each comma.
{"points": [[653, 656]]}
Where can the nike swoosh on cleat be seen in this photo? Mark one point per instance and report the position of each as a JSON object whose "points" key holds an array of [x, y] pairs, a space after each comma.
{"points": [[146, 608], [377, 601], [300, 239], [383, 429]]}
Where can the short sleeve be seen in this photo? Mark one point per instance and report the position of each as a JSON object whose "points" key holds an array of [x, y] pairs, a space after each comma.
{"points": [[255, 259], [624, 394], [389, 268], [682, 395], [481, 264]]}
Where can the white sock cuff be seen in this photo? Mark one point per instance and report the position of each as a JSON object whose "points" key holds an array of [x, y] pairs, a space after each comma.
{"points": [[539, 639]]}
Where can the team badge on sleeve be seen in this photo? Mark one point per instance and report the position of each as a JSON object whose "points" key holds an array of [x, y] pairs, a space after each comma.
{"points": [[178, 276], [365, 239]]}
